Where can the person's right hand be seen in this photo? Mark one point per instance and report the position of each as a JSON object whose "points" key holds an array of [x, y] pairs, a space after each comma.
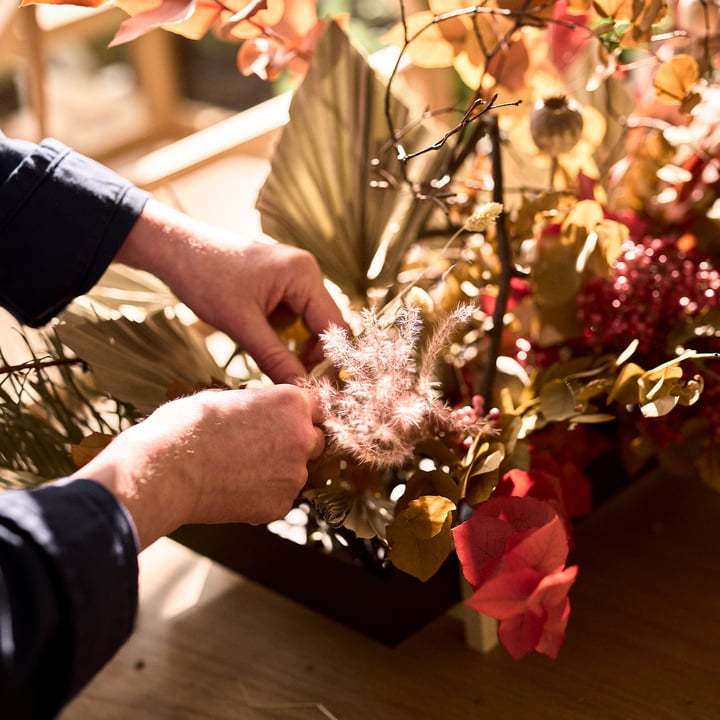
{"points": [[217, 456]]}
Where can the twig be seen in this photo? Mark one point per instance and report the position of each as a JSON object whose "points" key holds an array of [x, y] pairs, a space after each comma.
{"points": [[39, 365], [506, 268]]}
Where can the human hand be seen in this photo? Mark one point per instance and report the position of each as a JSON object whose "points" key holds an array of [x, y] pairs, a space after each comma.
{"points": [[212, 457], [235, 285]]}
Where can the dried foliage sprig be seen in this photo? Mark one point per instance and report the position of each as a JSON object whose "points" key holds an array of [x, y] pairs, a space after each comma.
{"points": [[386, 400], [48, 404]]}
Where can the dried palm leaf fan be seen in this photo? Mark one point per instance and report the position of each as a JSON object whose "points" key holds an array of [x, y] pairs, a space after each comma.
{"points": [[139, 362], [322, 192], [119, 370]]}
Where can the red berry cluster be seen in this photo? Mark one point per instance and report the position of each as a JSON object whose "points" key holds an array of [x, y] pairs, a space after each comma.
{"points": [[654, 288]]}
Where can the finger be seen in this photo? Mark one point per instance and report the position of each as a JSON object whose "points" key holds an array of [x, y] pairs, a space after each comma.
{"points": [[316, 306], [318, 413], [271, 355], [319, 445]]}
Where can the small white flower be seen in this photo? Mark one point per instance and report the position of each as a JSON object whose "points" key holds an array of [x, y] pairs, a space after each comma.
{"points": [[483, 216]]}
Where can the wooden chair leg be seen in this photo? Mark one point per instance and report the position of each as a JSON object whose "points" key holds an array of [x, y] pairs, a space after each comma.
{"points": [[35, 73], [154, 60]]}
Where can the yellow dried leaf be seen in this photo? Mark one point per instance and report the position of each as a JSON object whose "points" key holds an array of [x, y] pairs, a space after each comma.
{"points": [[611, 236], [580, 222], [431, 44], [690, 391], [420, 536], [578, 7], [646, 14], [89, 447], [480, 487], [428, 483], [675, 78], [427, 515], [626, 390], [616, 9], [654, 381], [294, 335]]}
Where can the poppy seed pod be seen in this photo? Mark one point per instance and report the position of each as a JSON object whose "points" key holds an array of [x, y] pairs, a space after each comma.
{"points": [[556, 124]]}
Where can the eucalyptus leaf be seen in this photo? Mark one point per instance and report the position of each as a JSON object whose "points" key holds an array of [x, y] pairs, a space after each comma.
{"points": [[420, 536], [557, 401], [657, 408]]}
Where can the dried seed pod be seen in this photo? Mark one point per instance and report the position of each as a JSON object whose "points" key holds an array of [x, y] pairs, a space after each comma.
{"points": [[556, 124]]}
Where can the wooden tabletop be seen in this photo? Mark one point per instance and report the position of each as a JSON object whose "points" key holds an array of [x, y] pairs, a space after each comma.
{"points": [[643, 641]]}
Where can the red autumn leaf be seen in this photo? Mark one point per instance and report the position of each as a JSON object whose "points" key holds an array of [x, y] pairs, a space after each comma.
{"points": [[566, 42], [565, 486], [521, 634], [506, 595], [513, 550], [553, 634], [544, 549], [533, 609], [572, 483], [481, 541], [520, 513]]}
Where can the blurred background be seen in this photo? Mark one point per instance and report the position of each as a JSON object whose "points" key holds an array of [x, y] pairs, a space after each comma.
{"points": [[59, 78]]}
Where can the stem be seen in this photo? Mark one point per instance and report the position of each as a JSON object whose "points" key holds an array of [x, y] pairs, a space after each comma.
{"points": [[506, 268], [39, 365]]}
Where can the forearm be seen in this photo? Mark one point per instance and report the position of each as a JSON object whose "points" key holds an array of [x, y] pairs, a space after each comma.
{"points": [[180, 249]]}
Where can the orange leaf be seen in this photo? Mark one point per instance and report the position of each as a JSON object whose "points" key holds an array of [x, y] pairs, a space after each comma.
{"points": [[433, 45], [82, 3], [616, 9], [250, 21], [185, 17], [675, 78]]}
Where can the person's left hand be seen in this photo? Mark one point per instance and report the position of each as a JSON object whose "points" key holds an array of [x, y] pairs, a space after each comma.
{"points": [[235, 285]]}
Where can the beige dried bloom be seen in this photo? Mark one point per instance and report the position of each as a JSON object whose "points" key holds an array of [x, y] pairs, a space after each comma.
{"points": [[387, 402], [483, 217]]}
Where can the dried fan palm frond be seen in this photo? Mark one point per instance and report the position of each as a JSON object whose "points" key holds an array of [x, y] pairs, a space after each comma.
{"points": [[322, 193], [143, 363], [120, 288]]}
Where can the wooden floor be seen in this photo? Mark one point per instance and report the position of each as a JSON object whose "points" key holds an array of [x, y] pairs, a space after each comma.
{"points": [[643, 641]]}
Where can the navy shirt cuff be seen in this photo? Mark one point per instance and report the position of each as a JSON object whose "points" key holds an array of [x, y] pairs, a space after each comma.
{"points": [[63, 218], [85, 533]]}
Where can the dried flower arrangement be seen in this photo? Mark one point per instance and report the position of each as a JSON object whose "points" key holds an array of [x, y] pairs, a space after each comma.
{"points": [[556, 222]]}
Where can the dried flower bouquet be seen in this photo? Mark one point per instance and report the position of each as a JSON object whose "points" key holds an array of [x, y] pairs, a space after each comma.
{"points": [[531, 255]]}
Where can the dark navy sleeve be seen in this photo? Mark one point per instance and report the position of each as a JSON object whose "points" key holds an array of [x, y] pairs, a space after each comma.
{"points": [[63, 217], [68, 592]]}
